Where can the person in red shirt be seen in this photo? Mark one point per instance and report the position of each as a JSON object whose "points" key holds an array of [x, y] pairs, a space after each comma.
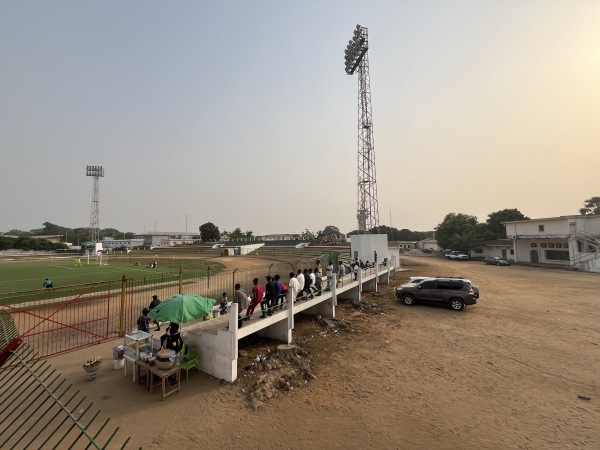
{"points": [[256, 296]]}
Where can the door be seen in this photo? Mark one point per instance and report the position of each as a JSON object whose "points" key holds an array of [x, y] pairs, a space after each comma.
{"points": [[534, 256], [428, 291], [503, 253]]}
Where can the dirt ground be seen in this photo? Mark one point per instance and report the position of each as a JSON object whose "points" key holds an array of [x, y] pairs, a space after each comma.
{"points": [[505, 373]]}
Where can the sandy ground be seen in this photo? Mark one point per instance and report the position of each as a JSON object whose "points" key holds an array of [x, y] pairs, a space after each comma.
{"points": [[505, 373]]}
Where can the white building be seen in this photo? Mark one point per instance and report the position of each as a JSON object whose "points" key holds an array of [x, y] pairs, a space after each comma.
{"points": [[167, 238], [110, 243], [280, 237], [498, 247], [428, 244], [571, 241]]}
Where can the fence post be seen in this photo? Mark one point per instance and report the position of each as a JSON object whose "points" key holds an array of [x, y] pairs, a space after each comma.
{"points": [[233, 278], [208, 270], [180, 279], [270, 268], [122, 313]]}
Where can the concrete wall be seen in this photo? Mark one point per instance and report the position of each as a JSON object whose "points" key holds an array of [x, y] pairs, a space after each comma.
{"points": [[363, 246]]}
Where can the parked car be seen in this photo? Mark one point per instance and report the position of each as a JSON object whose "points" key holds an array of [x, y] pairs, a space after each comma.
{"points": [[474, 286], [454, 292], [449, 253], [458, 257], [496, 260], [416, 280]]}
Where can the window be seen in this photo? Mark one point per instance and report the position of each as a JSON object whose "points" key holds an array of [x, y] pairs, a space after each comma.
{"points": [[558, 245], [428, 285], [540, 227], [551, 245], [450, 285], [533, 244], [512, 251], [557, 255], [478, 250], [543, 245]]}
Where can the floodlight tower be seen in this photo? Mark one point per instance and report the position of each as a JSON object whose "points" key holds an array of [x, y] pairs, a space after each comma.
{"points": [[357, 57], [97, 172]]}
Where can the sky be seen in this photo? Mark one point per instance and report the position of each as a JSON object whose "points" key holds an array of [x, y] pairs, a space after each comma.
{"points": [[241, 114]]}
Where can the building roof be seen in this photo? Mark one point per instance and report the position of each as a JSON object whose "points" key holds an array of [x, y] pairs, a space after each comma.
{"points": [[167, 233], [577, 216]]}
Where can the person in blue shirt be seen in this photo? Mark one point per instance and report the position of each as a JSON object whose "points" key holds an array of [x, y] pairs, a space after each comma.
{"points": [[48, 283], [276, 292]]}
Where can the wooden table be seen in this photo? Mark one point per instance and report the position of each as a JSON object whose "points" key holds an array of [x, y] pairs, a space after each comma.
{"points": [[162, 374]]}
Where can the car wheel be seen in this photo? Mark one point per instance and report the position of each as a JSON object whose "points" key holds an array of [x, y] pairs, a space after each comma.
{"points": [[497, 263], [457, 304], [408, 300]]}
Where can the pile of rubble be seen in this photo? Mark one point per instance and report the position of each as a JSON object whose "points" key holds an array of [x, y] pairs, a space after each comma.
{"points": [[368, 307], [284, 370]]}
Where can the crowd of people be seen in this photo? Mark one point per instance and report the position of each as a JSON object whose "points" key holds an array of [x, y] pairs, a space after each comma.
{"points": [[305, 284]]}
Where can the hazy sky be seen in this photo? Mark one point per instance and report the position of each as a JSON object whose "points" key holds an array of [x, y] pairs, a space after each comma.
{"points": [[240, 112]]}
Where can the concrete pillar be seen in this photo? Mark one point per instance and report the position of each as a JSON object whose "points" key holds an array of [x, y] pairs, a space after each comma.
{"points": [[290, 298], [334, 290], [360, 275], [233, 328]]}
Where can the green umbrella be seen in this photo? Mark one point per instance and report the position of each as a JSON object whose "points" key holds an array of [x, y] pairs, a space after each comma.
{"points": [[182, 308]]}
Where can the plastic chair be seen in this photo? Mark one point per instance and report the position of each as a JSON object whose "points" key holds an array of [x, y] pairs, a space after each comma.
{"points": [[188, 362]]}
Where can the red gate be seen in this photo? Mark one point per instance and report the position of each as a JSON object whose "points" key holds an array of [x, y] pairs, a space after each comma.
{"points": [[73, 320]]}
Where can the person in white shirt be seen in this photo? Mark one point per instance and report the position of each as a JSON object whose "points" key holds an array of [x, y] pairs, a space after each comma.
{"points": [[300, 279], [312, 286], [329, 274], [341, 273], [293, 285]]}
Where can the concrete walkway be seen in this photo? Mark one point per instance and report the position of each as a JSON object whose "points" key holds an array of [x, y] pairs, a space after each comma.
{"points": [[217, 339]]}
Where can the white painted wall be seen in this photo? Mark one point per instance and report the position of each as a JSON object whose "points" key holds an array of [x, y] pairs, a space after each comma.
{"points": [[363, 246]]}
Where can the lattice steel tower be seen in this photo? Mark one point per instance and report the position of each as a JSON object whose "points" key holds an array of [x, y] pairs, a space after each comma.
{"points": [[97, 172], [357, 57]]}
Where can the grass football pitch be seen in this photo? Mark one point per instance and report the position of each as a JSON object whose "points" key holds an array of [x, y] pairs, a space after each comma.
{"points": [[30, 275]]}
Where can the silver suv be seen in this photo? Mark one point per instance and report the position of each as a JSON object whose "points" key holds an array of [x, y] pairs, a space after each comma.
{"points": [[454, 292]]}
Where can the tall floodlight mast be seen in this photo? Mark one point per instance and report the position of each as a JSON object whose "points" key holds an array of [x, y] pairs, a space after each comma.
{"points": [[357, 58], [96, 172]]}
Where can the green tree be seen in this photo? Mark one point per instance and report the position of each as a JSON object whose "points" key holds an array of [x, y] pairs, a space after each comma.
{"points": [[329, 230], [495, 219], [591, 207], [236, 234], [209, 232], [307, 235], [6, 243], [15, 232], [456, 229]]}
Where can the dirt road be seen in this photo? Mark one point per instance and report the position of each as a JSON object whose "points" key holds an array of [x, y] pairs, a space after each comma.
{"points": [[505, 373]]}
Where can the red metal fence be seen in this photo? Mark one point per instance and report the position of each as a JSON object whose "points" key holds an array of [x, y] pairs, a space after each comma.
{"points": [[82, 315]]}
